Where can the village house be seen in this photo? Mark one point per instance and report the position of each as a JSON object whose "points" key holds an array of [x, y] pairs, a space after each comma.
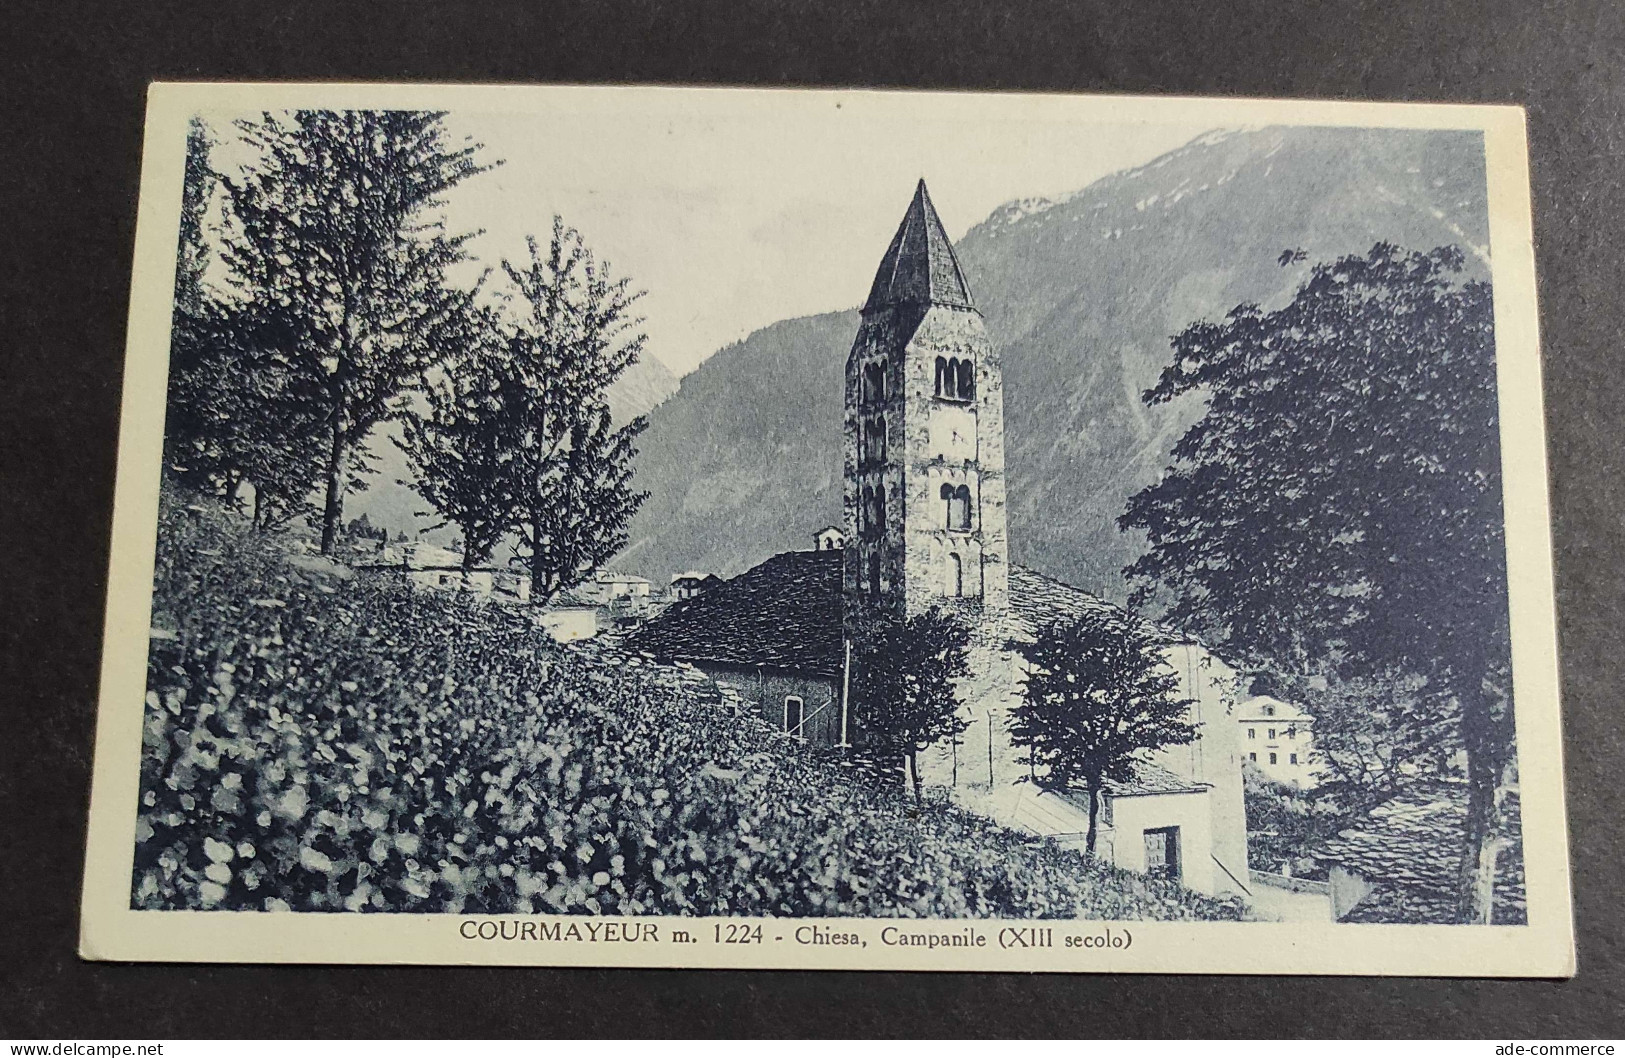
{"points": [[924, 505], [1278, 737], [570, 617], [606, 586], [688, 585], [441, 568]]}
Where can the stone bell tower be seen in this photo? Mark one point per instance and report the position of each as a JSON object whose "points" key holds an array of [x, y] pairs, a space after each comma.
{"points": [[924, 468]]}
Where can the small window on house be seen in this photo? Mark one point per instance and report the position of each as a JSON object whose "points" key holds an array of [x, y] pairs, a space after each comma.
{"points": [[1272, 758], [792, 715], [1253, 757], [1272, 732], [1292, 733], [1252, 732], [1292, 759], [956, 576]]}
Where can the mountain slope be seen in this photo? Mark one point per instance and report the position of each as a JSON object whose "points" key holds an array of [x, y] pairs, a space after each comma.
{"points": [[1081, 295]]}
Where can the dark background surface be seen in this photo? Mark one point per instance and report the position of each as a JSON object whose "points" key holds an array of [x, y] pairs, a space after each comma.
{"points": [[75, 78]]}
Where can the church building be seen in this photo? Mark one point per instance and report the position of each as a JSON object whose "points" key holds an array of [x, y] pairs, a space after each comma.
{"points": [[924, 526]]}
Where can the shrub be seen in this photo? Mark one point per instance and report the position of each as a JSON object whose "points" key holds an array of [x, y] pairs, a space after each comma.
{"points": [[318, 742]]}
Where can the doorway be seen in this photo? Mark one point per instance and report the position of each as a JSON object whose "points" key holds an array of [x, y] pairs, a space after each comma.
{"points": [[1162, 853]]}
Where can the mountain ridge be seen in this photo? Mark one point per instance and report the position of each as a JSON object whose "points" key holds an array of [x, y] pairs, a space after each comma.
{"points": [[1080, 294]]}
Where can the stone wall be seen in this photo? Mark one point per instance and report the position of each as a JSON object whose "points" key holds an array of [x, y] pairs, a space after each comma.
{"points": [[764, 692], [928, 442], [933, 457]]}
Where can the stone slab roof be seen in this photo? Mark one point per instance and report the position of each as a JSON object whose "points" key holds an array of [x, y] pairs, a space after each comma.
{"points": [[786, 613], [1410, 847], [920, 267], [1037, 599], [783, 613], [1153, 779]]}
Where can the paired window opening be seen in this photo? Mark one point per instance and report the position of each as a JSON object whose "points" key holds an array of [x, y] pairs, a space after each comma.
{"points": [[956, 379], [872, 510], [956, 504], [874, 382], [872, 440]]}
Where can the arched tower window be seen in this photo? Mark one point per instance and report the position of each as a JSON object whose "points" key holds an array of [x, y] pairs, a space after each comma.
{"points": [[880, 509], [956, 504], [967, 380], [866, 509], [956, 575], [943, 381], [874, 574], [874, 382]]}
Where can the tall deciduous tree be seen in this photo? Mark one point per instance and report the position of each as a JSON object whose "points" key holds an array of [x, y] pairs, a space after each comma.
{"points": [[574, 335], [1340, 500], [1098, 693], [905, 695], [191, 450], [342, 263], [461, 447]]}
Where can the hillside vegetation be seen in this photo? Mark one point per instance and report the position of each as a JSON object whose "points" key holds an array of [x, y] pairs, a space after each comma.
{"points": [[317, 741]]}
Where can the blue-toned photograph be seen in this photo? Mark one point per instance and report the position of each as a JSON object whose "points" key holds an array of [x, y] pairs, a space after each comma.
{"points": [[753, 518]]}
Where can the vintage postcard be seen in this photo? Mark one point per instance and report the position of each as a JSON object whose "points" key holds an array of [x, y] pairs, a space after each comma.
{"points": [[830, 529]]}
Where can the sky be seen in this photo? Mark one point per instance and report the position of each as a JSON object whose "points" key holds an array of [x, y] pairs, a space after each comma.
{"points": [[732, 210], [733, 218]]}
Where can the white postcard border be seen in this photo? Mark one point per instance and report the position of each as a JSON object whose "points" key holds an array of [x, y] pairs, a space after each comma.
{"points": [[111, 930]]}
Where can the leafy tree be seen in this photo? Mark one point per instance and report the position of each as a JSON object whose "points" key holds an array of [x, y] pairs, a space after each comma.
{"points": [[1373, 733], [190, 453], [905, 694], [1098, 693], [574, 335], [462, 447], [583, 509], [1339, 502], [342, 263], [1284, 823]]}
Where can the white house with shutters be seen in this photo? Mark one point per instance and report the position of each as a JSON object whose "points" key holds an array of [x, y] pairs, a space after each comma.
{"points": [[1279, 738]]}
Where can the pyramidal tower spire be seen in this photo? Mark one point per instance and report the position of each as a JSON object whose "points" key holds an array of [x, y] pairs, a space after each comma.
{"points": [[920, 267], [924, 468]]}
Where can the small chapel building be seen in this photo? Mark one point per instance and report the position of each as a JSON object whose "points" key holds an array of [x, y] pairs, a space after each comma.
{"points": [[924, 526]]}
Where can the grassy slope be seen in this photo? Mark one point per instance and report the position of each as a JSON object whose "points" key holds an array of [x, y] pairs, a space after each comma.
{"points": [[319, 742]]}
